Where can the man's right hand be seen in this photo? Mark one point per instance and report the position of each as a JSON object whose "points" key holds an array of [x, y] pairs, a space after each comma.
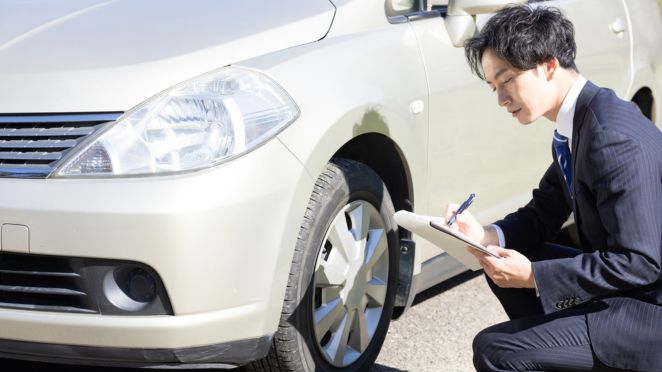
{"points": [[466, 223]]}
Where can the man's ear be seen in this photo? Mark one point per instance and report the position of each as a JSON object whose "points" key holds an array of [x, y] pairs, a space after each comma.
{"points": [[550, 67]]}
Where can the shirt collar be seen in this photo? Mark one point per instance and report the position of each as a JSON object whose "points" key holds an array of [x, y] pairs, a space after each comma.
{"points": [[566, 114]]}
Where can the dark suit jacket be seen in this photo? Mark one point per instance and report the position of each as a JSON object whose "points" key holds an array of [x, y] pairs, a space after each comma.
{"points": [[617, 203]]}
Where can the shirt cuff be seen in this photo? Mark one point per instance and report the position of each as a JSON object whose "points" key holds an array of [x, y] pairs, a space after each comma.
{"points": [[502, 238]]}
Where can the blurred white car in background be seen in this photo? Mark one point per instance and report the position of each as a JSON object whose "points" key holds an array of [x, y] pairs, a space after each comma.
{"points": [[214, 182]]}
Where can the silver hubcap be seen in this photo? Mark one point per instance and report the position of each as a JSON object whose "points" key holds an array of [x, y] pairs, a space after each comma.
{"points": [[351, 276]]}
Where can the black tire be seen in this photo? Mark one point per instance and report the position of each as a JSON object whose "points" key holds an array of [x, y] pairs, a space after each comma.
{"points": [[295, 346]]}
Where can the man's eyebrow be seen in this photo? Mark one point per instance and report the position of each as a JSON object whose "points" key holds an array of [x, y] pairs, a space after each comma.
{"points": [[498, 74]]}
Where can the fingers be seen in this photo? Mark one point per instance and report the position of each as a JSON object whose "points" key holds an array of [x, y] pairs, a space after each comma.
{"points": [[450, 209], [512, 270], [488, 261], [478, 254], [466, 215], [501, 252], [494, 274], [493, 266], [483, 260], [489, 274], [486, 264], [467, 219]]}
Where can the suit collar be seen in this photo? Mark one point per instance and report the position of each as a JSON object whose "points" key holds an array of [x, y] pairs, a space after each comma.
{"points": [[565, 117], [585, 96]]}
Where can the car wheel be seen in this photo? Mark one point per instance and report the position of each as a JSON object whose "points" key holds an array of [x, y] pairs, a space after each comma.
{"points": [[339, 298]]}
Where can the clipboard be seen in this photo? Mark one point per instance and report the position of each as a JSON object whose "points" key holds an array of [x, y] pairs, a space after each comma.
{"points": [[434, 230], [444, 228]]}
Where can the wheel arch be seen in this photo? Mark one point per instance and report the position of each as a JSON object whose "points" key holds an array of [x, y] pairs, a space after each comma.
{"points": [[645, 100], [384, 156]]}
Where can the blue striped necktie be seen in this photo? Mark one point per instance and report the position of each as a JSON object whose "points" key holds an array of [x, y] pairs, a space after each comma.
{"points": [[562, 152]]}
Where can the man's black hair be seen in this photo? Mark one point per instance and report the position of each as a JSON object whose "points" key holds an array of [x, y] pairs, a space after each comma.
{"points": [[524, 37]]}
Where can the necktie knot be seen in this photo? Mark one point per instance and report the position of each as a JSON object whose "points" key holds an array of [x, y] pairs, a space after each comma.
{"points": [[562, 152], [558, 137]]}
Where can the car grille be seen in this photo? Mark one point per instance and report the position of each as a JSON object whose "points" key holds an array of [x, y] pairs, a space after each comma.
{"points": [[43, 283], [32, 145]]}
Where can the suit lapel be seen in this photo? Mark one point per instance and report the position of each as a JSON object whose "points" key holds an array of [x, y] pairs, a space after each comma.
{"points": [[583, 101]]}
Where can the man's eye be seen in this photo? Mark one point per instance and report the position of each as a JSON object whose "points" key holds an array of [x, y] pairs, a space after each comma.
{"points": [[508, 81]]}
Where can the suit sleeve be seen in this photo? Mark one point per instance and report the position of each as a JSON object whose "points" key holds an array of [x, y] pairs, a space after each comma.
{"points": [[625, 189], [541, 219]]}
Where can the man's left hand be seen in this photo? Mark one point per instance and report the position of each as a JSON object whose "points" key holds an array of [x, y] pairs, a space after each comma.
{"points": [[512, 270]]}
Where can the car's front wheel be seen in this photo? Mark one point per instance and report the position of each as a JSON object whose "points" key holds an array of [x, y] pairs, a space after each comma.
{"points": [[341, 288]]}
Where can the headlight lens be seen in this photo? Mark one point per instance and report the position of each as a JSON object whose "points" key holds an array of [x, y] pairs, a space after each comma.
{"points": [[195, 125]]}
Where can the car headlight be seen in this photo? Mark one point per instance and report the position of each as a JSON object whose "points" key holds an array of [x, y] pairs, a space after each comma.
{"points": [[194, 125]]}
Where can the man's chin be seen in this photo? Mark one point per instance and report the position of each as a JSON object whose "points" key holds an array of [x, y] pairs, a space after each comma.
{"points": [[524, 120]]}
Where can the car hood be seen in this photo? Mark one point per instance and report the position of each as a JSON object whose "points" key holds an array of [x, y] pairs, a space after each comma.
{"points": [[92, 55]]}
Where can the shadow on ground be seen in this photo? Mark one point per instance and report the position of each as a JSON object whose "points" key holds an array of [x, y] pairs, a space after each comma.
{"points": [[383, 368], [445, 286], [21, 366]]}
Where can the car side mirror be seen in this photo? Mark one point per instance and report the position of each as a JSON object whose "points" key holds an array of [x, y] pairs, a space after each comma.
{"points": [[461, 16], [401, 7]]}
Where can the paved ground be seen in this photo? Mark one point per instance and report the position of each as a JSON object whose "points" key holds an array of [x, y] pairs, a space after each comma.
{"points": [[434, 335]]}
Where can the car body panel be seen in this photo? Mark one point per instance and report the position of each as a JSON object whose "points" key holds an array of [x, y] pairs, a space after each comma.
{"points": [[375, 98], [152, 332], [88, 56], [222, 239], [646, 61], [604, 57]]}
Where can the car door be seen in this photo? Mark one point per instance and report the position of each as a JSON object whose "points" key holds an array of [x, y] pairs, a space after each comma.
{"points": [[604, 40]]}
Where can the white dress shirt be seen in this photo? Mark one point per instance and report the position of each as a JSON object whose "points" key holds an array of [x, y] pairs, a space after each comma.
{"points": [[566, 114]]}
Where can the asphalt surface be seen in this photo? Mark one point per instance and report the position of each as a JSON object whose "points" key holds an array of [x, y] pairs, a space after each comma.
{"points": [[434, 335], [437, 331]]}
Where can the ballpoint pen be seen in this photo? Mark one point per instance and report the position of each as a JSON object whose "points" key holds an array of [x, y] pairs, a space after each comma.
{"points": [[462, 208]]}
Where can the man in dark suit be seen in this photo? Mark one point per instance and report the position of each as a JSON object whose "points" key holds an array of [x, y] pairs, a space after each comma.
{"points": [[594, 308]]}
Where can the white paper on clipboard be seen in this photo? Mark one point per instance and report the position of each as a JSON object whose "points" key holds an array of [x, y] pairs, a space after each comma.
{"points": [[434, 230]]}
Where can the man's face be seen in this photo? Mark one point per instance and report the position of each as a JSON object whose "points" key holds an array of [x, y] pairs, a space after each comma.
{"points": [[527, 95]]}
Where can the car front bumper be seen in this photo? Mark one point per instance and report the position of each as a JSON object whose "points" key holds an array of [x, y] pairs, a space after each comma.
{"points": [[221, 241], [225, 355]]}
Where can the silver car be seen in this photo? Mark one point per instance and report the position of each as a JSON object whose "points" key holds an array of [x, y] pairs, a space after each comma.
{"points": [[213, 182]]}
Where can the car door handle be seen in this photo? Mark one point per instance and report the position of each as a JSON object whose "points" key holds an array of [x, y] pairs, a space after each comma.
{"points": [[417, 107], [617, 26]]}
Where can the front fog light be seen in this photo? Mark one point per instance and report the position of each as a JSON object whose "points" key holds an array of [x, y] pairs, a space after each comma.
{"points": [[130, 287], [138, 284]]}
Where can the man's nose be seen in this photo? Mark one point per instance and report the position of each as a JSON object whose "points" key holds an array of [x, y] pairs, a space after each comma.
{"points": [[503, 98]]}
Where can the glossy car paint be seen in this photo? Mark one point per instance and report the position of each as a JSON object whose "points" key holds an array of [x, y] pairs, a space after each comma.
{"points": [[222, 239]]}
